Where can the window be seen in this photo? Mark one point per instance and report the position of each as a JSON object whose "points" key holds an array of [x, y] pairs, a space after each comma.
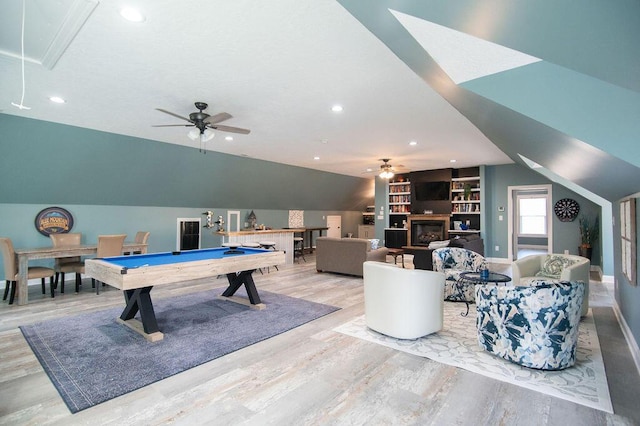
{"points": [[533, 215], [628, 238]]}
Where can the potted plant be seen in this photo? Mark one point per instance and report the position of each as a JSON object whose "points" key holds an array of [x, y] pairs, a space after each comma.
{"points": [[589, 232], [467, 191]]}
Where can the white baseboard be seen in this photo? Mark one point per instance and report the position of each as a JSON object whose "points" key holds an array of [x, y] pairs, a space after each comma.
{"points": [[631, 341], [609, 279], [532, 247], [498, 260]]}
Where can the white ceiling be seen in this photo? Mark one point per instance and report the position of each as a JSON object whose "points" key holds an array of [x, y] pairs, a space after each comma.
{"points": [[278, 67]]}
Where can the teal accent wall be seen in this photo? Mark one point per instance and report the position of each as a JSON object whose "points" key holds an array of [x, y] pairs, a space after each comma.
{"points": [[627, 293], [119, 184], [382, 202], [17, 222], [566, 235], [59, 164]]}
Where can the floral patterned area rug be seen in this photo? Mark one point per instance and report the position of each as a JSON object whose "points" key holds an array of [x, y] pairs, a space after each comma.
{"points": [[457, 345]]}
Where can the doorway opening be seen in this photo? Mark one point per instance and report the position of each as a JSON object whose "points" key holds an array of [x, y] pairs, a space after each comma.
{"points": [[188, 234], [530, 221]]}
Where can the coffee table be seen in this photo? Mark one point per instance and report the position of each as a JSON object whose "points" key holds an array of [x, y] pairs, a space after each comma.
{"points": [[395, 252], [474, 278]]}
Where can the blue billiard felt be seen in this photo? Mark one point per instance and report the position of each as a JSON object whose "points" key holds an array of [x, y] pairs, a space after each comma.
{"points": [[165, 258]]}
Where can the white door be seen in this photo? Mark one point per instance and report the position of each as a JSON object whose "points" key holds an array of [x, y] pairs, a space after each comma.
{"points": [[334, 223]]}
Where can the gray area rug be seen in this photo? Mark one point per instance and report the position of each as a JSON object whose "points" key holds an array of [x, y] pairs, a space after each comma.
{"points": [[90, 358]]}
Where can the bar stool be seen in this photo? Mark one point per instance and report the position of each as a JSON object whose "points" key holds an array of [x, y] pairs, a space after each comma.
{"points": [[251, 245], [230, 246], [269, 245], [298, 248]]}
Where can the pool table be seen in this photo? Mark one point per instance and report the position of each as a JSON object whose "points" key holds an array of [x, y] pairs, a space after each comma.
{"points": [[136, 275]]}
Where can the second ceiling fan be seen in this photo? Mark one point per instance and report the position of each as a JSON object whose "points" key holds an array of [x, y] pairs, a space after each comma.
{"points": [[387, 171]]}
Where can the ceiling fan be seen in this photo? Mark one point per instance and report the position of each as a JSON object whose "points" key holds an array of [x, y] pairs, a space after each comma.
{"points": [[202, 122], [387, 171]]}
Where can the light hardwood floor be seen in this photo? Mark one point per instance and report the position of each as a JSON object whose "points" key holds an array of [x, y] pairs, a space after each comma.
{"points": [[309, 375]]}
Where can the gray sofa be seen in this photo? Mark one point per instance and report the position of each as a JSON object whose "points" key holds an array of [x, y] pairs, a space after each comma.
{"points": [[346, 255]]}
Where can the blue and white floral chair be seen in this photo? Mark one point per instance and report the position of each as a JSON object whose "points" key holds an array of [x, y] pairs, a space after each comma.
{"points": [[452, 261], [535, 326]]}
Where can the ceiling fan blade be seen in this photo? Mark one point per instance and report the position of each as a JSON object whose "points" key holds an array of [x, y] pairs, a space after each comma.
{"points": [[172, 125], [217, 118], [229, 129], [174, 114]]}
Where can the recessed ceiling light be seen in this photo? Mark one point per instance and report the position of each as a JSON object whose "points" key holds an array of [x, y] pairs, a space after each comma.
{"points": [[316, 158], [228, 138], [452, 161], [336, 108], [369, 169], [413, 143], [57, 99], [131, 14]]}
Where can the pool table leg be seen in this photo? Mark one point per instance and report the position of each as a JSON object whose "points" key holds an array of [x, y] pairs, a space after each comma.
{"points": [[139, 299], [236, 280]]}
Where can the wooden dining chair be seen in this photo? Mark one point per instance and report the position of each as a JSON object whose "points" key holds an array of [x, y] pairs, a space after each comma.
{"points": [[141, 238], [11, 270], [108, 246], [66, 264]]}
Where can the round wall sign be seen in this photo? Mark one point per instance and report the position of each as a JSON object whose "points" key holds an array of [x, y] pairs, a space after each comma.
{"points": [[54, 220], [566, 209]]}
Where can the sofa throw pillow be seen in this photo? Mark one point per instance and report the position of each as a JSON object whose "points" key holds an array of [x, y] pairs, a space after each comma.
{"points": [[553, 266], [438, 244], [374, 244]]}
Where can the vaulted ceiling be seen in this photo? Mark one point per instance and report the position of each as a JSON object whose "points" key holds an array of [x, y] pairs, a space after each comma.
{"points": [[561, 86], [574, 110]]}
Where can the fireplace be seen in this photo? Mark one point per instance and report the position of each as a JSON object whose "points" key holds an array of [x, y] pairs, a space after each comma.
{"points": [[424, 229]]}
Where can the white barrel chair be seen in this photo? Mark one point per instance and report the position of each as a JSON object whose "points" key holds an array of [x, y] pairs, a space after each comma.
{"points": [[402, 303]]}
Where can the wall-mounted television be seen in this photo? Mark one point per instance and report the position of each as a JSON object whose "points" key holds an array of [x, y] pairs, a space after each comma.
{"points": [[432, 191]]}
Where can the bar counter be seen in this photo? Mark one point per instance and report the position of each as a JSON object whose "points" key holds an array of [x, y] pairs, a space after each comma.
{"points": [[282, 237], [261, 232]]}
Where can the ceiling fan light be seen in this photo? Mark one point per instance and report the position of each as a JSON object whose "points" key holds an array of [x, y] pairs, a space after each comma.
{"points": [[386, 174], [132, 15], [194, 134], [207, 135]]}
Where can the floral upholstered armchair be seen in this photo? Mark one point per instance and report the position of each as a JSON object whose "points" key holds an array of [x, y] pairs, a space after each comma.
{"points": [[452, 261], [535, 326]]}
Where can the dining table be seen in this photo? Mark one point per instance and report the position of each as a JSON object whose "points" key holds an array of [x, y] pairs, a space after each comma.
{"points": [[50, 252]]}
